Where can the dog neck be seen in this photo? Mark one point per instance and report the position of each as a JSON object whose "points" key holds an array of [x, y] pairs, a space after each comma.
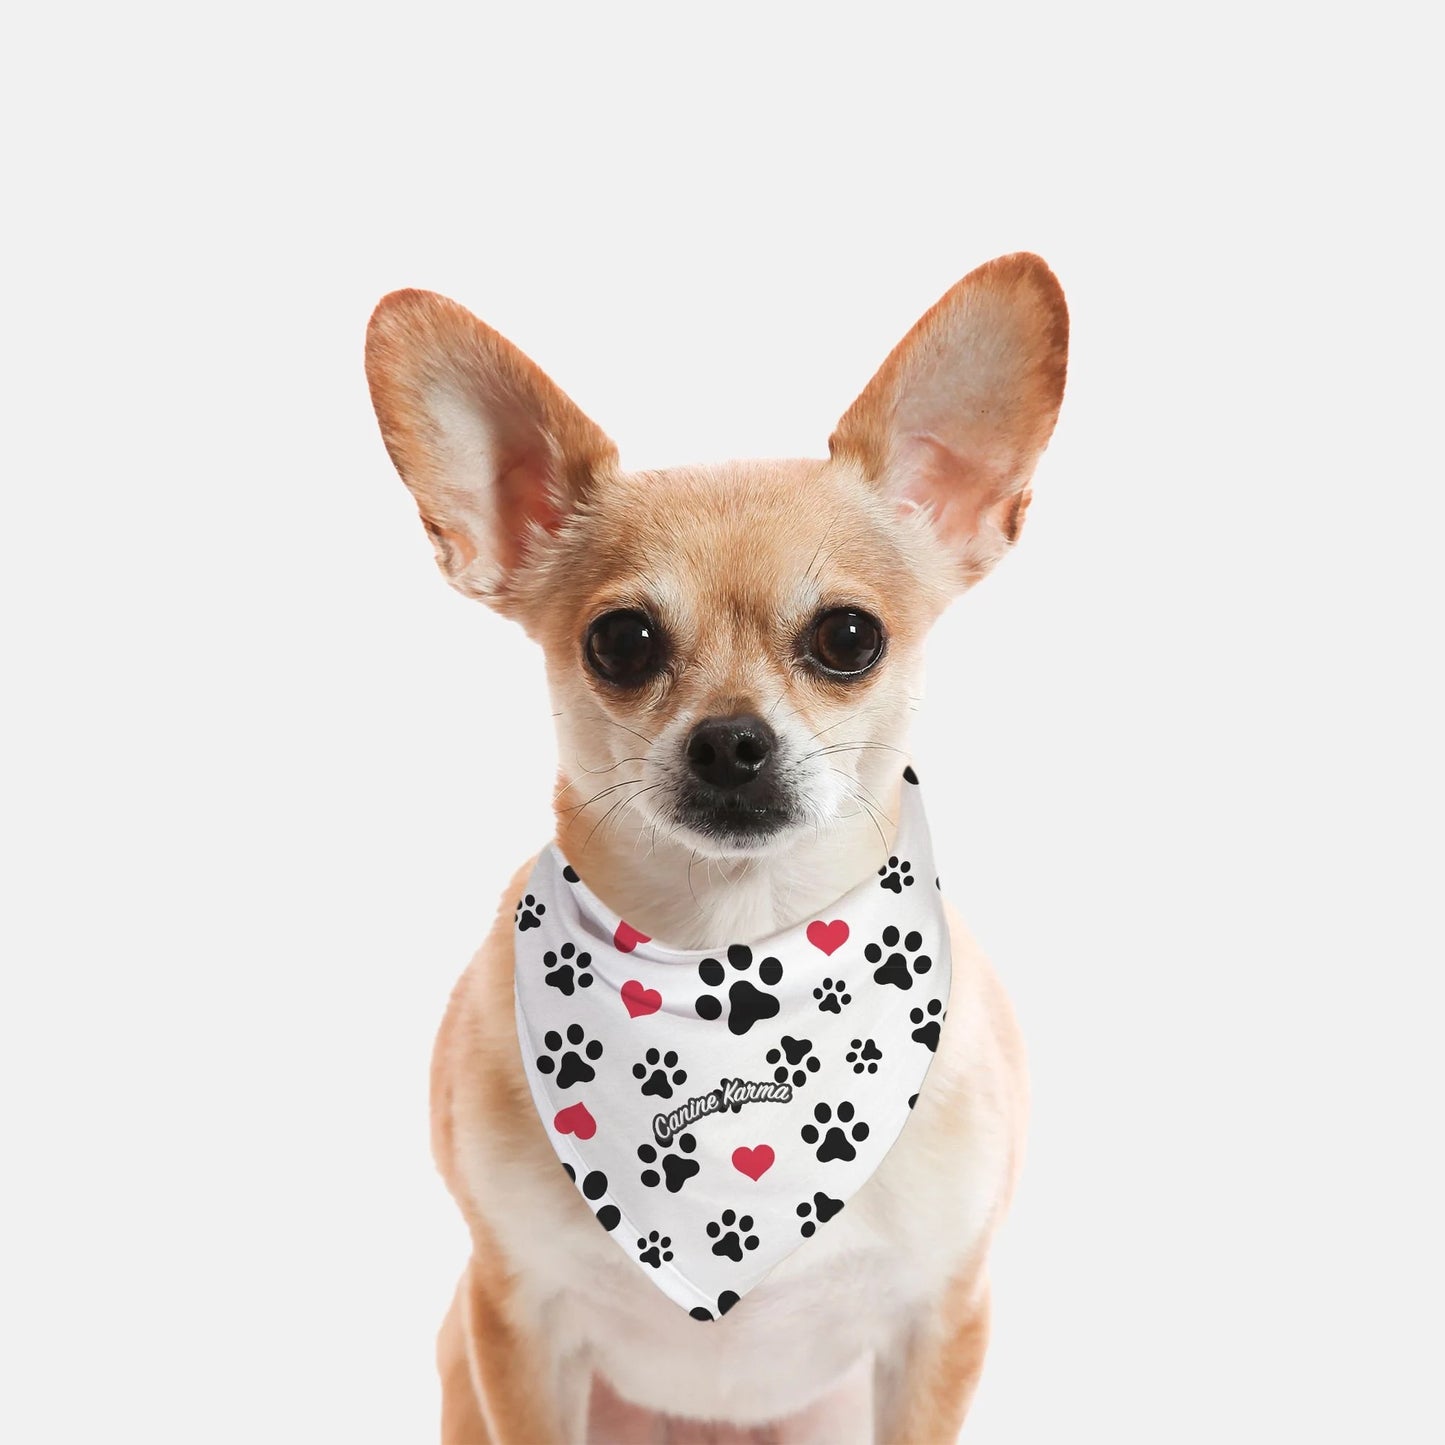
{"points": [[672, 892]]}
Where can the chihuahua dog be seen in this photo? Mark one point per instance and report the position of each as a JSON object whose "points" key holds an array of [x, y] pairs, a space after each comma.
{"points": [[777, 611]]}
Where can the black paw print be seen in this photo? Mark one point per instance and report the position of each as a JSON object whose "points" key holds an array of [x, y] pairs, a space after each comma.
{"points": [[677, 1169], [821, 1210], [895, 968], [801, 1060], [529, 913], [927, 1021], [725, 1301], [570, 874], [864, 1055], [665, 1073], [574, 1069], [896, 876], [729, 1241], [910, 776], [832, 996], [559, 964], [655, 1250], [837, 1143], [594, 1186], [748, 1004]]}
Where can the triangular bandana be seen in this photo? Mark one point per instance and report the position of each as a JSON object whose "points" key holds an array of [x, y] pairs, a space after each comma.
{"points": [[717, 1107]]}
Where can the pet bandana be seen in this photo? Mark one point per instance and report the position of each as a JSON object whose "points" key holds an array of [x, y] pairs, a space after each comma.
{"points": [[717, 1107]]}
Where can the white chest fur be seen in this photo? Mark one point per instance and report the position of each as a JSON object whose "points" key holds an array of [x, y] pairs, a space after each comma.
{"points": [[857, 1289]]}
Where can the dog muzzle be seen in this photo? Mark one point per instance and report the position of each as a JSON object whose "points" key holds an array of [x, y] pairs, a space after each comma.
{"points": [[716, 1108]]}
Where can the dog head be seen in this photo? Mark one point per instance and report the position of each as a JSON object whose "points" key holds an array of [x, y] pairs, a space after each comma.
{"points": [[732, 650]]}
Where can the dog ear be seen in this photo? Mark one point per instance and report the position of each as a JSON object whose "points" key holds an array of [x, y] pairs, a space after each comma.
{"points": [[494, 453], [955, 419]]}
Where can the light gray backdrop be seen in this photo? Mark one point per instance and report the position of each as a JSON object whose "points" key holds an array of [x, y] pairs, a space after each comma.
{"points": [[266, 775]]}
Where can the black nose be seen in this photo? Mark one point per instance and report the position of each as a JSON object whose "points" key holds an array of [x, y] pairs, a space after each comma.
{"points": [[730, 751]]}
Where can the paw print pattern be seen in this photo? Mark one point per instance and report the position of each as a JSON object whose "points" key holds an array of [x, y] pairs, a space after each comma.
{"points": [[576, 1066], [832, 996], [926, 1022], [570, 874], [838, 1142], [747, 1004], [676, 1168], [795, 1060], [529, 913], [594, 1186], [864, 1055], [567, 969], [725, 1301], [660, 1072], [729, 1241], [896, 968], [819, 1211], [896, 876], [655, 1250]]}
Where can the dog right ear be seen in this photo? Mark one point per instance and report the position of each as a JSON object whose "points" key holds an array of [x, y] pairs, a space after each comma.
{"points": [[495, 454], [955, 419]]}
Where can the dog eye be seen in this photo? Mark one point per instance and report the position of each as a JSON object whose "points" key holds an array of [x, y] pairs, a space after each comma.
{"points": [[846, 641], [623, 647]]}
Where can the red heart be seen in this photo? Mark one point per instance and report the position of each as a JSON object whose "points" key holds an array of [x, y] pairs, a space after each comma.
{"points": [[627, 938], [576, 1119], [753, 1162], [830, 937], [640, 1000]]}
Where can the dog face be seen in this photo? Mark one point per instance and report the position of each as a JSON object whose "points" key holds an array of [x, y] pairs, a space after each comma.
{"points": [[732, 651]]}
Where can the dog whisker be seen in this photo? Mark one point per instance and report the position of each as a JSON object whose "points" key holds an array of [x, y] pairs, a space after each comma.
{"points": [[868, 811], [833, 725], [620, 803], [852, 747], [882, 812], [602, 793]]}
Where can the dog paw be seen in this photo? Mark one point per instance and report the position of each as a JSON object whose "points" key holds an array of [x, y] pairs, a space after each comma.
{"points": [[529, 913], [594, 1186], [928, 1021], [795, 1060], [838, 1141], [747, 1003], [576, 1062], [896, 876], [898, 967], [677, 1169], [732, 1242], [567, 969], [864, 1055], [660, 1072], [815, 1212], [832, 996]]}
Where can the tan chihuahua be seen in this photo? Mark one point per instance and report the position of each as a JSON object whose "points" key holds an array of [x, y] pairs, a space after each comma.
{"points": [[779, 610]]}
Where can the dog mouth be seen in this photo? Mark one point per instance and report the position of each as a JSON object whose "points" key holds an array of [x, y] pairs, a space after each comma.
{"points": [[734, 819]]}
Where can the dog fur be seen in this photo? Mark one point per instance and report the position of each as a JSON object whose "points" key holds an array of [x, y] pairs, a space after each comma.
{"points": [[877, 1328]]}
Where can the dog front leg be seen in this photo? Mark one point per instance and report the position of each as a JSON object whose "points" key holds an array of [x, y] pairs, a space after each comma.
{"points": [[499, 1385], [923, 1396]]}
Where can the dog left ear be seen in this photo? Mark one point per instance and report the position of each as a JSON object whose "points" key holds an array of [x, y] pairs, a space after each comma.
{"points": [[955, 419], [494, 452]]}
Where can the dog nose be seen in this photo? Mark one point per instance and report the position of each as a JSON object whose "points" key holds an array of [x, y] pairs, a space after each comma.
{"points": [[730, 751]]}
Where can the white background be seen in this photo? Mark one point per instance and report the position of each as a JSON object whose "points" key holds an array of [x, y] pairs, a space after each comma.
{"points": [[266, 775]]}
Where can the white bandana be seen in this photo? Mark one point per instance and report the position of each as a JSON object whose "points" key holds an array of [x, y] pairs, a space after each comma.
{"points": [[716, 1107]]}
